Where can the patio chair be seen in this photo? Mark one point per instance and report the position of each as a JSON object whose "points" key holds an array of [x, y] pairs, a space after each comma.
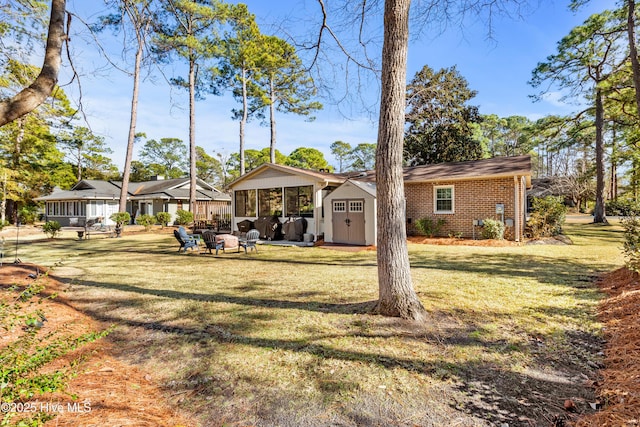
{"points": [[210, 241], [249, 242], [186, 241]]}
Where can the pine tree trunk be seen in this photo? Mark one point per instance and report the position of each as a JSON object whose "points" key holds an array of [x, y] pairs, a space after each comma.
{"points": [[613, 171], [633, 50], [132, 126], [192, 137], [599, 211], [30, 98], [397, 296], [272, 118], [243, 120]]}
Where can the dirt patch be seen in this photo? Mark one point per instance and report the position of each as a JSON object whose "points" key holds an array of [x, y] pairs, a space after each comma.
{"points": [[345, 248], [619, 388], [109, 392]]}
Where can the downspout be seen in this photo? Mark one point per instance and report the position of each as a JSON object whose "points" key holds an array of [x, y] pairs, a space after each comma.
{"points": [[319, 206], [523, 191], [516, 205]]}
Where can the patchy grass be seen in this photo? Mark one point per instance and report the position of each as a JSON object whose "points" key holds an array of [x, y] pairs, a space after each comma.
{"points": [[282, 336]]}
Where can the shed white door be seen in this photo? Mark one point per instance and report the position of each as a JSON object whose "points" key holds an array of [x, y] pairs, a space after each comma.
{"points": [[348, 221]]}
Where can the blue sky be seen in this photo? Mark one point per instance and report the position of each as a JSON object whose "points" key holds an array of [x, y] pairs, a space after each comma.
{"points": [[497, 68]]}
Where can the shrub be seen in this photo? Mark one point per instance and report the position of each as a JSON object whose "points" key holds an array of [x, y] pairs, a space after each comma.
{"points": [[183, 217], [51, 229], [120, 218], [631, 246], [430, 226], [163, 218], [27, 214], [492, 229], [26, 360], [547, 216], [622, 207], [146, 220], [3, 224]]}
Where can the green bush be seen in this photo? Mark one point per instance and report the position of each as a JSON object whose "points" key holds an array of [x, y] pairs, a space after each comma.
{"points": [[492, 229], [163, 218], [547, 216], [51, 229], [3, 224], [27, 214], [25, 362], [622, 207], [120, 218], [183, 217], [430, 226], [631, 245], [146, 220]]}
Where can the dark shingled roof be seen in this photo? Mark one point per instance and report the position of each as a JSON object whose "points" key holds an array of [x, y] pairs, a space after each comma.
{"points": [[484, 168], [90, 189]]}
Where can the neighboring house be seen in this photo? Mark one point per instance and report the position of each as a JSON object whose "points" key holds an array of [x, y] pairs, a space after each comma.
{"points": [[92, 199], [344, 205]]}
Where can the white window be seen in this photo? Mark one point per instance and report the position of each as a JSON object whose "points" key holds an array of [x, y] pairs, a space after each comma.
{"points": [[356, 206], [443, 199], [340, 206]]}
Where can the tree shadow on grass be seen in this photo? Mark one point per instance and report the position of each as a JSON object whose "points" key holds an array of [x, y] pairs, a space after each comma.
{"points": [[489, 392], [545, 269], [319, 306], [553, 270]]}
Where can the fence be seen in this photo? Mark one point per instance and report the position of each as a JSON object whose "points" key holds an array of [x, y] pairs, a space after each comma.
{"points": [[213, 214]]}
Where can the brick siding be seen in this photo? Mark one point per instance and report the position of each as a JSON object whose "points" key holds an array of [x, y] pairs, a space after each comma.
{"points": [[473, 199]]}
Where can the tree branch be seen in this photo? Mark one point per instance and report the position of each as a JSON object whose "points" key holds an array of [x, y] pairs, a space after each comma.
{"points": [[31, 97]]}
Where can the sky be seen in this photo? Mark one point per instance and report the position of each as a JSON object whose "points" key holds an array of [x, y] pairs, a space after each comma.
{"points": [[497, 67]]}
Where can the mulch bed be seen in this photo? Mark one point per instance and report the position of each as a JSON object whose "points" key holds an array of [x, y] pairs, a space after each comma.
{"points": [[109, 392], [422, 240], [619, 388]]}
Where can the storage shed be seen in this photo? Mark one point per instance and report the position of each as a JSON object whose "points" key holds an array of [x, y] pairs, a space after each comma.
{"points": [[350, 214]]}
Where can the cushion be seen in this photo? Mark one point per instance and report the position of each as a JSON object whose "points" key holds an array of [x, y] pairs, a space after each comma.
{"points": [[230, 241]]}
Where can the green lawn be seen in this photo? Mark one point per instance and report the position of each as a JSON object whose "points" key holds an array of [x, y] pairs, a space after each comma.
{"points": [[283, 338]]}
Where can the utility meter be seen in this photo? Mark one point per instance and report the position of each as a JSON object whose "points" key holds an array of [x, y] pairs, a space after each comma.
{"points": [[499, 208]]}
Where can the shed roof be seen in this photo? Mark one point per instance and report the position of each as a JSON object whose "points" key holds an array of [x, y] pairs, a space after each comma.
{"points": [[366, 186]]}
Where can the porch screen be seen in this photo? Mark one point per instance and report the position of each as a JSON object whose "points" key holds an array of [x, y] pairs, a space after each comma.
{"points": [[299, 201], [245, 202], [270, 202]]}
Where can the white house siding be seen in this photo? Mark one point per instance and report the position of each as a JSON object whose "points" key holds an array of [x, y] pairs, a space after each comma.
{"points": [[349, 191], [172, 208], [276, 179]]}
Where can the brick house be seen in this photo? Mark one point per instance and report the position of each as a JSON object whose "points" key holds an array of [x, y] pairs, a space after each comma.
{"points": [[463, 194], [342, 207]]}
